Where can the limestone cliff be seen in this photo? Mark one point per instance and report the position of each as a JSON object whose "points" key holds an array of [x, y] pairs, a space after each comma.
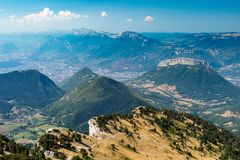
{"points": [[183, 61]]}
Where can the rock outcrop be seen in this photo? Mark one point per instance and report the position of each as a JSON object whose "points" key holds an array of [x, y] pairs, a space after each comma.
{"points": [[94, 129], [183, 61]]}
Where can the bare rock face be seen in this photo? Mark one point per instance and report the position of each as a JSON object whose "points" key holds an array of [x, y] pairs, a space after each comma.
{"points": [[49, 154], [183, 61], [94, 129]]}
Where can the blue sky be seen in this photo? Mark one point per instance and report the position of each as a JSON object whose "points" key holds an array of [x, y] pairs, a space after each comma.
{"points": [[120, 15]]}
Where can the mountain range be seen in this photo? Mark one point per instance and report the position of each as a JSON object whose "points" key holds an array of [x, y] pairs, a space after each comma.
{"points": [[219, 49], [182, 72], [123, 52], [182, 84]]}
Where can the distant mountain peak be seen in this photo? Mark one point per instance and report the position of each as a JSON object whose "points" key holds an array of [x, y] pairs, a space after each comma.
{"points": [[29, 71], [131, 35], [91, 32], [86, 70], [84, 75], [183, 61], [83, 31]]}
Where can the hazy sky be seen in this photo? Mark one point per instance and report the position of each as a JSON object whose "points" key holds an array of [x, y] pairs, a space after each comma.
{"points": [[120, 15]]}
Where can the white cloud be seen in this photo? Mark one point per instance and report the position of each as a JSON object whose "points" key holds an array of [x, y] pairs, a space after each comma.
{"points": [[70, 15], [12, 18], [104, 14], [148, 19], [47, 14], [129, 20]]}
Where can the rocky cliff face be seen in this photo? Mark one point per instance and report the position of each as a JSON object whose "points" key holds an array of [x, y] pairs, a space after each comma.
{"points": [[94, 129], [183, 61]]}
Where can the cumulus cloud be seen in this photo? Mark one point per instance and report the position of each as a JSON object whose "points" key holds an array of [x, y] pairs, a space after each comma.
{"points": [[148, 19], [104, 14], [69, 15], [129, 20], [47, 14]]}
